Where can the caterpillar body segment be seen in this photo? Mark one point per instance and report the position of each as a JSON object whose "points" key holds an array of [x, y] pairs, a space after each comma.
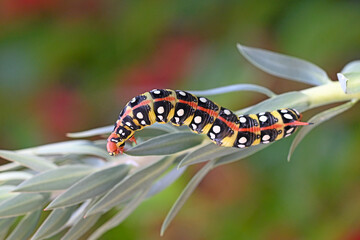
{"points": [[203, 116]]}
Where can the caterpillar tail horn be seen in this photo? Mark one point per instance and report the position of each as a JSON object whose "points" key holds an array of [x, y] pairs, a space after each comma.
{"points": [[297, 123]]}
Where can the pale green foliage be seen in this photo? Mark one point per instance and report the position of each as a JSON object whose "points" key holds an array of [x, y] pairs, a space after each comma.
{"points": [[91, 182]]}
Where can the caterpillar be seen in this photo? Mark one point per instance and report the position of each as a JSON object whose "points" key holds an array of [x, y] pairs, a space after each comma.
{"points": [[202, 115]]}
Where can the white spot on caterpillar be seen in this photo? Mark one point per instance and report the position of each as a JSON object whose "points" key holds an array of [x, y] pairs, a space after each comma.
{"points": [[160, 110], [120, 131], [227, 112], [212, 136], [287, 135], [288, 116], [193, 126], [197, 119], [202, 99], [241, 146], [243, 120], [182, 93], [143, 122], [139, 115], [266, 137], [216, 129], [284, 111], [243, 140], [160, 117], [177, 119], [296, 111], [265, 142], [290, 130], [180, 112], [128, 123], [262, 113], [133, 100], [263, 118], [156, 91]]}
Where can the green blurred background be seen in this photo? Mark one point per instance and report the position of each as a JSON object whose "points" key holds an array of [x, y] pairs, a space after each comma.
{"points": [[68, 66]]}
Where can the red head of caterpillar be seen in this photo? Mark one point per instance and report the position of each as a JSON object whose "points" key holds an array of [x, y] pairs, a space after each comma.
{"points": [[202, 115], [116, 140], [112, 145]]}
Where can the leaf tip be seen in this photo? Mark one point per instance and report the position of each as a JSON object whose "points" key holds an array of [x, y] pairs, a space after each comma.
{"points": [[90, 212], [49, 207], [17, 189], [239, 47], [162, 231], [180, 165], [343, 81], [69, 135]]}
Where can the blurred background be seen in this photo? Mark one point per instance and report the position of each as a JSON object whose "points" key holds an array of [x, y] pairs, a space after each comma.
{"points": [[68, 66]]}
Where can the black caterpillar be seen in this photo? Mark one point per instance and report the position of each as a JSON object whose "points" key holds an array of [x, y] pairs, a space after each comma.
{"points": [[202, 115]]}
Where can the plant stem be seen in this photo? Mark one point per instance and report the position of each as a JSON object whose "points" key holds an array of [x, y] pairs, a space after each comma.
{"points": [[327, 94]]}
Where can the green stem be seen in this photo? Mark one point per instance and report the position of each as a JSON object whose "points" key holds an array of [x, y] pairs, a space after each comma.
{"points": [[327, 94]]}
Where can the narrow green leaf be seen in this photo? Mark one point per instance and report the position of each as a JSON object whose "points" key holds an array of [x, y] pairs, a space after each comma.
{"points": [[10, 166], [5, 224], [8, 195], [163, 127], [22, 203], [205, 153], [295, 100], [50, 146], [147, 133], [166, 144], [56, 179], [92, 132], [14, 175], [54, 223], [343, 81], [131, 184], [81, 227], [6, 192], [108, 129], [317, 120], [77, 223], [165, 181], [243, 153], [79, 213], [121, 216], [349, 82], [284, 66], [353, 66], [190, 187], [6, 189], [25, 227], [33, 162], [75, 149], [91, 186], [235, 88]]}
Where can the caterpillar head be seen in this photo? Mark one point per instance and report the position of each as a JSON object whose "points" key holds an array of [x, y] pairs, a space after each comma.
{"points": [[116, 140]]}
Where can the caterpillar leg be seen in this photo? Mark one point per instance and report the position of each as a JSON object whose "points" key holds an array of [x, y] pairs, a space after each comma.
{"points": [[132, 139], [121, 149]]}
